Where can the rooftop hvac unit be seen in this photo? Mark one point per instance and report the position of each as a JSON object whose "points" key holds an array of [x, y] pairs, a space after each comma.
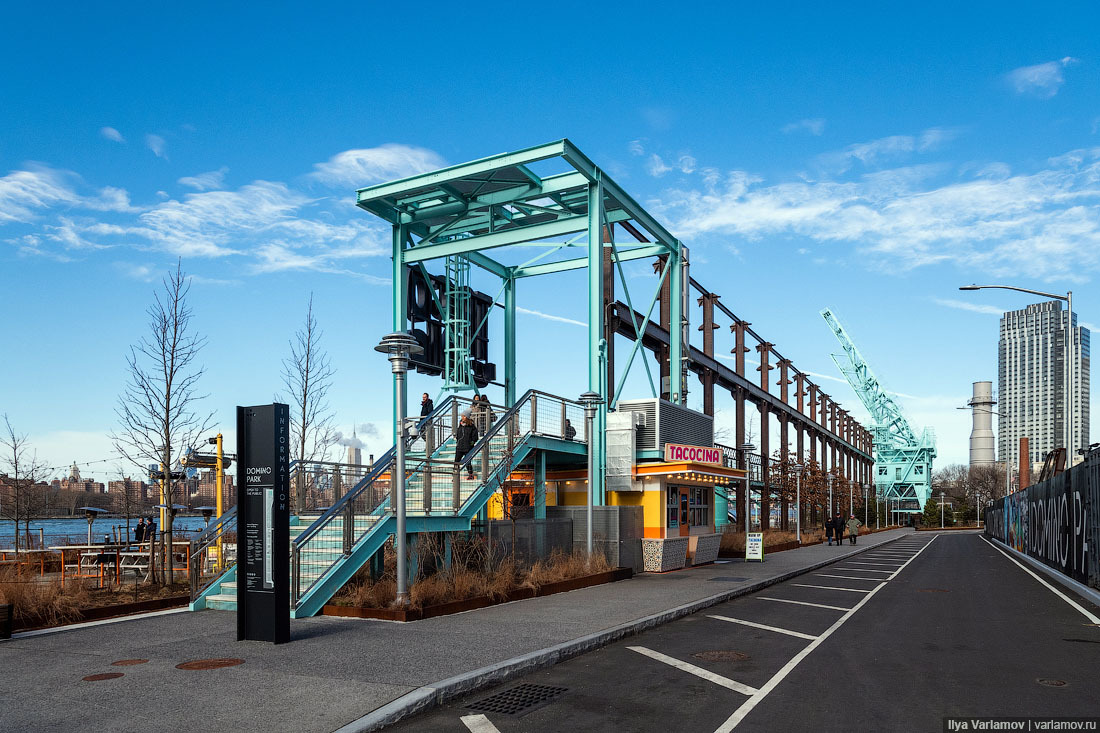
{"points": [[666, 422]]}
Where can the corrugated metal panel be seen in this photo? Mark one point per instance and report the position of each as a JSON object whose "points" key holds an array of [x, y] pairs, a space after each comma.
{"points": [[670, 423], [647, 433]]}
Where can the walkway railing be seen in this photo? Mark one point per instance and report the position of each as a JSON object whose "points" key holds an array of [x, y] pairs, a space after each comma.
{"points": [[213, 552]]}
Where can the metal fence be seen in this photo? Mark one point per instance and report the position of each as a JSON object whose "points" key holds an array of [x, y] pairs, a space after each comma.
{"points": [[616, 532], [529, 539]]}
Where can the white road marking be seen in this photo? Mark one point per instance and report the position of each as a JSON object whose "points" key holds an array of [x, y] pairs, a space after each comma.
{"points": [[1087, 614], [747, 707], [479, 724], [765, 627], [830, 587], [697, 671], [846, 577], [880, 564], [863, 570], [801, 603]]}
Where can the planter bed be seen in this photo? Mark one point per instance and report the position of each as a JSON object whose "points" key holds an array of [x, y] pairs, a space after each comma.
{"points": [[470, 604], [950, 529], [104, 612], [770, 549]]}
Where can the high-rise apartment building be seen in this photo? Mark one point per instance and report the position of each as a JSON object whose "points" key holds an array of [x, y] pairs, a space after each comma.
{"points": [[1032, 381]]}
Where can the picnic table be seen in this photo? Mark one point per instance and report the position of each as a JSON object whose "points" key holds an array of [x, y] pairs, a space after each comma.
{"points": [[95, 561], [27, 558]]}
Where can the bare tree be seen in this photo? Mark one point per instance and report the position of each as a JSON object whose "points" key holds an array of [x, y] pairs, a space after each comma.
{"points": [[156, 412], [21, 489], [307, 377]]}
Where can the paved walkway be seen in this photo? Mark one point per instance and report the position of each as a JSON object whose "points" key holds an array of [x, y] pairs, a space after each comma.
{"points": [[335, 670]]}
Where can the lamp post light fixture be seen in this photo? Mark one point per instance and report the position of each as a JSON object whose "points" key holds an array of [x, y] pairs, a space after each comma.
{"points": [[1070, 338], [591, 402], [798, 468], [399, 346]]}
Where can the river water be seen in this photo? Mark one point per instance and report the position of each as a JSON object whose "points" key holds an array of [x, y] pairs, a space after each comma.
{"points": [[74, 530]]}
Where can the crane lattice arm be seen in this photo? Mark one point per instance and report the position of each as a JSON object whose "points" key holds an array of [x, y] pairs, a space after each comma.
{"points": [[884, 410]]}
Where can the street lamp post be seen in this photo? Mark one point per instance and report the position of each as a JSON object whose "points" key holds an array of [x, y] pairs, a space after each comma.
{"points": [[399, 346], [942, 504], [866, 490], [591, 401], [1070, 338], [829, 478], [746, 449], [798, 467]]}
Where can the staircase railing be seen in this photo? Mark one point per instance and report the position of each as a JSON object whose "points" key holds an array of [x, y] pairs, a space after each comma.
{"points": [[208, 562], [436, 484]]}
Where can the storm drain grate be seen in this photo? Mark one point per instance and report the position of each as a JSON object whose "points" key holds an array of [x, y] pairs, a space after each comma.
{"points": [[204, 664], [519, 700], [728, 579]]}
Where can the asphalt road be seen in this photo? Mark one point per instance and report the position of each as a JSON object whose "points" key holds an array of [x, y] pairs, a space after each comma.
{"points": [[894, 639]]}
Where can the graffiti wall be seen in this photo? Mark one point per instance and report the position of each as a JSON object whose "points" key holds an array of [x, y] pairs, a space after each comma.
{"points": [[1056, 522]]}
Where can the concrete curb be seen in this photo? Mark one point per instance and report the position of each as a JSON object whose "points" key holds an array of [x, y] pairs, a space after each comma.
{"points": [[424, 698]]}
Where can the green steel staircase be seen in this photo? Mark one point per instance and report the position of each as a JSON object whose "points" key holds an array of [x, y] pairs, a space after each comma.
{"points": [[327, 551]]}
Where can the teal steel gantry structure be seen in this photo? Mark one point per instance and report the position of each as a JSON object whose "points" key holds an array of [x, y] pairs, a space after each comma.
{"points": [[499, 204], [903, 461]]}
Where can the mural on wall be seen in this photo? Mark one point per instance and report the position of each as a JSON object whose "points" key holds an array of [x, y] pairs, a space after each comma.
{"points": [[1055, 522]]}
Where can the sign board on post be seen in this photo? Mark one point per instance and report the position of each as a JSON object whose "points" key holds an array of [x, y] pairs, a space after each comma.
{"points": [[263, 523], [754, 546]]}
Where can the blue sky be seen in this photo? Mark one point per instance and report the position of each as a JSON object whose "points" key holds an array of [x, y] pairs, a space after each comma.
{"points": [[870, 159]]}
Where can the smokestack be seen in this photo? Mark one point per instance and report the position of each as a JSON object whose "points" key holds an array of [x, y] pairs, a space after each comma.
{"points": [[1025, 464], [981, 436]]}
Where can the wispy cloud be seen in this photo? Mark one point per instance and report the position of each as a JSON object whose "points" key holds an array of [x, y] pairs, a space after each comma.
{"points": [[1041, 80], [549, 317], [364, 166], [963, 305], [1046, 222], [886, 148], [657, 167], [112, 134], [636, 148], [158, 145], [205, 181], [814, 126]]}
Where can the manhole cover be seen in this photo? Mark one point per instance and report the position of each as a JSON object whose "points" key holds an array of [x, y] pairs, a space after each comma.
{"points": [[933, 590], [726, 579], [103, 676], [721, 656], [1051, 683], [519, 700], [128, 662], [200, 664]]}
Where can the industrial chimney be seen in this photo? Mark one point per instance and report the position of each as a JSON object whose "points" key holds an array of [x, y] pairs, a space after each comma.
{"points": [[981, 436]]}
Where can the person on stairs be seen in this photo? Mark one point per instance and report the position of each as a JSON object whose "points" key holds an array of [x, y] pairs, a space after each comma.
{"points": [[465, 438]]}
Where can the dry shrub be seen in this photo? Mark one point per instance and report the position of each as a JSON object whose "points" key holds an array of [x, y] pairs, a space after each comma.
{"points": [[38, 602], [734, 542], [560, 566]]}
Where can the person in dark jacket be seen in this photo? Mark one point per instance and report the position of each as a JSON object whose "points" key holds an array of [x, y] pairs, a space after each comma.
{"points": [[483, 414], [838, 528], [426, 405], [570, 431], [465, 437], [139, 531], [151, 530], [829, 530]]}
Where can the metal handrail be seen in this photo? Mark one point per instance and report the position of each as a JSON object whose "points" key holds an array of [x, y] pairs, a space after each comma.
{"points": [[215, 531], [511, 412]]}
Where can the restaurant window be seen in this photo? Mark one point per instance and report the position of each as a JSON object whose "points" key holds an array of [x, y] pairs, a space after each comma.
{"points": [[699, 506], [673, 510]]}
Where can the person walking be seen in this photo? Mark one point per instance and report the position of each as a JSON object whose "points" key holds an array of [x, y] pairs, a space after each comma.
{"points": [[838, 528], [853, 528], [426, 405], [465, 437], [483, 413], [570, 431], [829, 530], [139, 531]]}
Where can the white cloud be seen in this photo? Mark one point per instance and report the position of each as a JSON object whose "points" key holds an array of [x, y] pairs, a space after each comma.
{"points": [[205, 181], [158, 145], [656, 167], [814, 126], [893, 147], [112, 134], [144, 273], [1041, 80], [636, 147], [963, 305], [365, 166], [1046, 223], [24, 192], [686, 164], [549, 317]]}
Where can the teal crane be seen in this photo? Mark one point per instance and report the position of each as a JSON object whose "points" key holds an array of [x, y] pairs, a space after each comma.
{"points": [[903, 461]]}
